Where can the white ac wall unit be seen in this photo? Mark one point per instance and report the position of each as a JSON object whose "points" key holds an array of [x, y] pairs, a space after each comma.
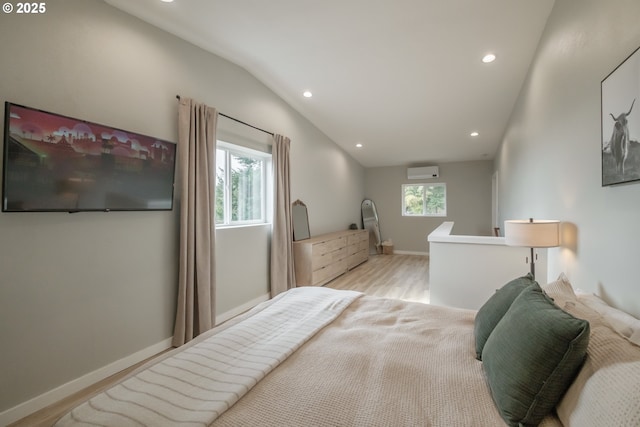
{"points": [[425, 172]]}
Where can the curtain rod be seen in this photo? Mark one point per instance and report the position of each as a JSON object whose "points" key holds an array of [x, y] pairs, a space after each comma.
{"points": [[240, 121]]}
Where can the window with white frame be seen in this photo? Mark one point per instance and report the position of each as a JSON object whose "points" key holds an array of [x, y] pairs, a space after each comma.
{"points": [[242, 185], [424, 200]]}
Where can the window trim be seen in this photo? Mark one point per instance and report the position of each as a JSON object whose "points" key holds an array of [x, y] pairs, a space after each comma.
{"points": [[426, 185], [266, 202]]}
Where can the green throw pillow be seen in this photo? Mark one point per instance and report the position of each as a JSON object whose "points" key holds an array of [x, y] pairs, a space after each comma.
{"points": [[532, 357], [492, 311]]}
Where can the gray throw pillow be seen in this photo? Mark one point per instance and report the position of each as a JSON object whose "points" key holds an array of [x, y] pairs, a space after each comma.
{"points": [[533, 356], [492, 311]]}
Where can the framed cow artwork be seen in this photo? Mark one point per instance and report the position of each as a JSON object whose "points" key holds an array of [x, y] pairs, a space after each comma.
{"points": [[620, 122]]}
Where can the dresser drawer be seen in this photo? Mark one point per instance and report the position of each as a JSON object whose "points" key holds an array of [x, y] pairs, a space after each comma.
{"points": [[353, 238], [325, 274], [357, 237], [327, 246], [356, 259], [320, 260]]}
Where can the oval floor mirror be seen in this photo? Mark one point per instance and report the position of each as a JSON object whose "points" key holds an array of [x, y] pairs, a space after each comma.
{"points": [[370, 222]]}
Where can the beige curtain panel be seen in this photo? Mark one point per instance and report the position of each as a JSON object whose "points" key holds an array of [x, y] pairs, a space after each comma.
{"points": [[282, 273], [197, 171]]}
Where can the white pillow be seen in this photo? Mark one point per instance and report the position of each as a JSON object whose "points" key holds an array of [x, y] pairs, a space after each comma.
{"points": [[621, 322], [560, 290], [606, 391]]}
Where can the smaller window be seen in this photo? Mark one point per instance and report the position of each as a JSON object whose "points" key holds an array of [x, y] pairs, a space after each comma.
{"points": [[424, 200], [242, 177]]}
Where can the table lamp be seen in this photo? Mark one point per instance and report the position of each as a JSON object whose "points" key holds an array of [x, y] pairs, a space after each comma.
{"points": [[532, 234]]}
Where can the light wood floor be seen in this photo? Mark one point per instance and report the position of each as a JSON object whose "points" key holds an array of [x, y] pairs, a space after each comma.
{"points": [[404, 277], [389, 276]]}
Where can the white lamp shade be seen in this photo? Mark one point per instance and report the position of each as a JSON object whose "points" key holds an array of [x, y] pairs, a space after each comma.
{"points": [[536, 234]]}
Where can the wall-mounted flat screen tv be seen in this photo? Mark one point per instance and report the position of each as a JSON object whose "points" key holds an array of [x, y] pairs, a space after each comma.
{"points": [[54, 163]]}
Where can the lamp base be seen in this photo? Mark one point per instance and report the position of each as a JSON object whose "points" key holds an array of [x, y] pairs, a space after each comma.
{"points": [[533, 265]]}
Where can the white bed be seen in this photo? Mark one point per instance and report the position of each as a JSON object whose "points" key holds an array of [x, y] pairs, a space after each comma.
{"points": [[321, 357]]}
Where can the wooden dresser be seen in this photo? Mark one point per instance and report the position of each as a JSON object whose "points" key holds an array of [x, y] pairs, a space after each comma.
{"points": [[323, 258]]}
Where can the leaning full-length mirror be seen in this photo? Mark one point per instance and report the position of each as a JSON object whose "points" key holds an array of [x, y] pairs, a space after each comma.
{"points": [[370, 222], [300, 220]]}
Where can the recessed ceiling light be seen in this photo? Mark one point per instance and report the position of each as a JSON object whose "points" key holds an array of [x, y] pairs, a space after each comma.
{"points": [[307, 94], [166, 1], [474, 134], [490, 57], [359, 145]]}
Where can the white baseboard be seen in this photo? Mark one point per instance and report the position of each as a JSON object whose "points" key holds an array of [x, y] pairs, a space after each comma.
{"points": [[411, 253], [241, 309], [26, 408]]}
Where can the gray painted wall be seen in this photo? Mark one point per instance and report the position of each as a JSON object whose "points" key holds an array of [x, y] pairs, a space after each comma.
{"points": [[549, 161], [468, 202], [78, 292]]}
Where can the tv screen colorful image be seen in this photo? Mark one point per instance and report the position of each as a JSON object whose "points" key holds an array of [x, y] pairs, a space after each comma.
{"points": [[58, 163]]}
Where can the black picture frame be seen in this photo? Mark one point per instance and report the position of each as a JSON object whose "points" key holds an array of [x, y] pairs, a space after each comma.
{"points": [[620, 122]]}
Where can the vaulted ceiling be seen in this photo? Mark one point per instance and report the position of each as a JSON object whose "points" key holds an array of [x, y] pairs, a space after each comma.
{"points": [[404, 78]]}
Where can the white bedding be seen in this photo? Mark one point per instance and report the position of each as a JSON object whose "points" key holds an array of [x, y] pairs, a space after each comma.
{"points": [[379, 362]]}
